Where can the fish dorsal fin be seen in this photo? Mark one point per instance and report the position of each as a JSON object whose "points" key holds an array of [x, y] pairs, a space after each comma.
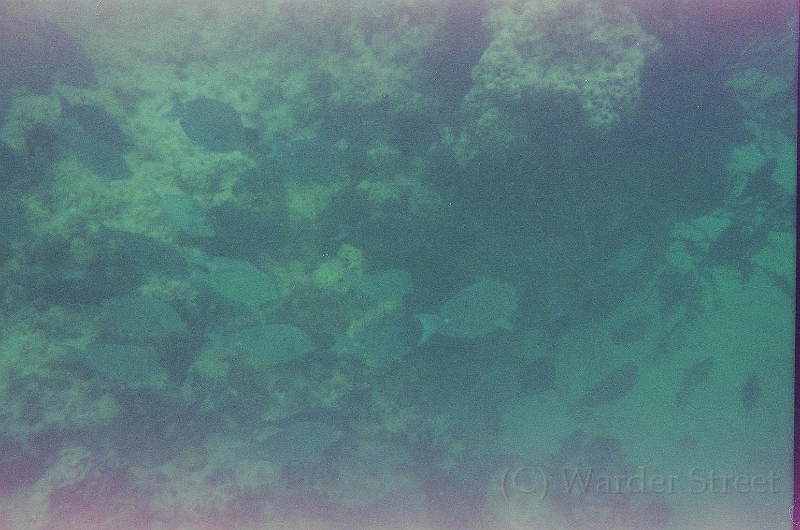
{"points": [[430, 325]]}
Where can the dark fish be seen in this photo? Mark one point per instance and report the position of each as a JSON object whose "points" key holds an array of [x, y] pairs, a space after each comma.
{"points": [[36, 54], [97, 140], [100, 282], [612, 387], [751, 392], [70, 63], [102, 158], [95, 122], [212, 124], [632, 330], [142, 254], [693, 378]]}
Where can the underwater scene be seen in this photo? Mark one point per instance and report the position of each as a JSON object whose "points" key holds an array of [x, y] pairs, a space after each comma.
{"points": [[398, 264]]}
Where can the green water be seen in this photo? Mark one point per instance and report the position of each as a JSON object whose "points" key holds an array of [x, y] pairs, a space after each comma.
{"points": [[396, 264]]}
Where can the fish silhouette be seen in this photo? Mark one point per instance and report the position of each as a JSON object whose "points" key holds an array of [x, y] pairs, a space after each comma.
{"points": [[612, 387], [751, 392], [693, 378]]}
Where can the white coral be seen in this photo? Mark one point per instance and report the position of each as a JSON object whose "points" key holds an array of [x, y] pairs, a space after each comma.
{"points": [[567, 47], [562, 48]]}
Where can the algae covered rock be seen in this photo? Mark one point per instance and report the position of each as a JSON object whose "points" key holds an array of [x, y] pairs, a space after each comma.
{"points": [[567, 59], [572, 48]]}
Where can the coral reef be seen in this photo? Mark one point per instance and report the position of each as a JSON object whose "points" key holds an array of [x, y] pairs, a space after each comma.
{"points": [[545, 49], [226, 336]]}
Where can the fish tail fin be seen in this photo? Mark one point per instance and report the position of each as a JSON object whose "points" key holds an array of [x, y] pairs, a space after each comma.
{"points": [[430, 325]]}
